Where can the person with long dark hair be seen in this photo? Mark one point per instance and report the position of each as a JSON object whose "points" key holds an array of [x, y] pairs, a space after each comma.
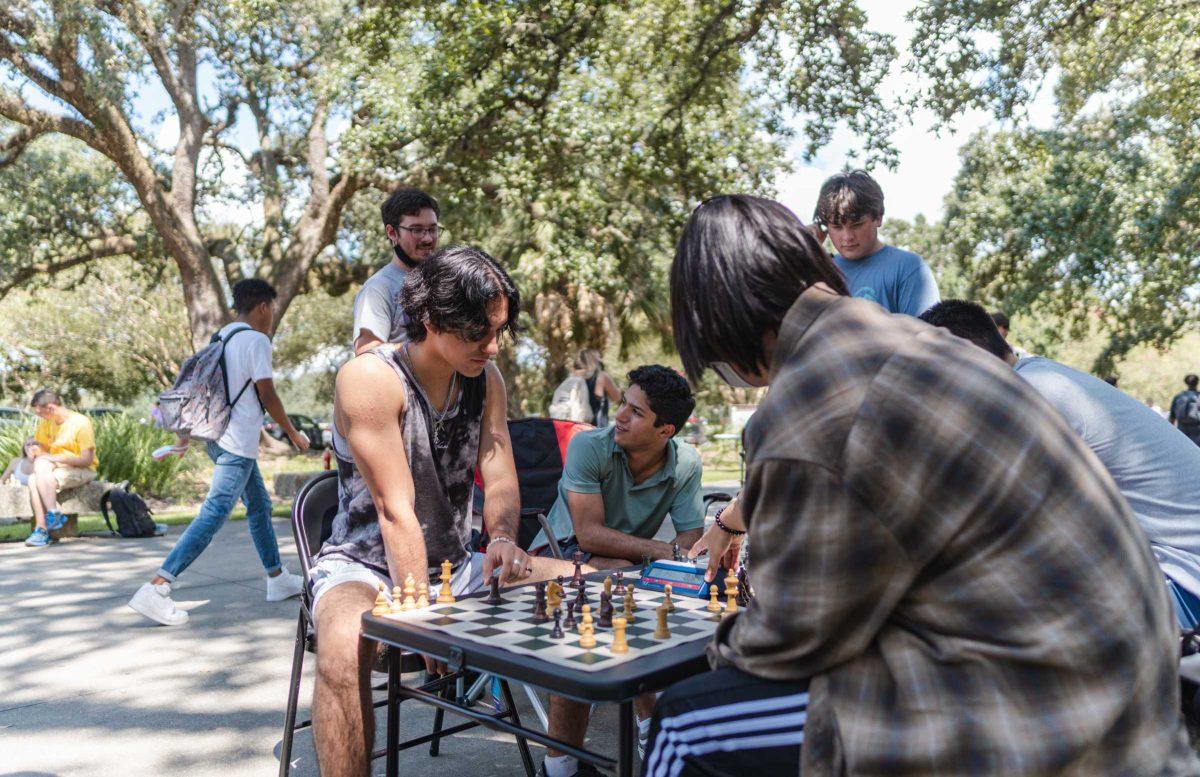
{"points": [[945, 580]]}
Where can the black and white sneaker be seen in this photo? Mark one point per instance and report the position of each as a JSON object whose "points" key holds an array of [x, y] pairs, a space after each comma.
{"points": [[582, 770]]}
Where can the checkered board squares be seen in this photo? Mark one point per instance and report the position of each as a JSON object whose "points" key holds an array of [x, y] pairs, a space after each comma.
{"points": [[510, 626]]}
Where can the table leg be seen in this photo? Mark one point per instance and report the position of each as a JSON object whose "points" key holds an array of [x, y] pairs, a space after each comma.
{"points": [[393, 713], [625, 740]]}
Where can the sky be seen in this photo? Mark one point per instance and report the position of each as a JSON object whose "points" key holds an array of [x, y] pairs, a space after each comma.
{"points": [[928, 162]]}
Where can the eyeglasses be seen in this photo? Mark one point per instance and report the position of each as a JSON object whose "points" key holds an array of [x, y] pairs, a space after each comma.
{"points": [[420, 232]]}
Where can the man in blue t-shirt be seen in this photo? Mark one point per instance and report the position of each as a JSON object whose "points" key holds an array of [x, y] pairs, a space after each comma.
{"points": [[850, 211], [1181, 405]]}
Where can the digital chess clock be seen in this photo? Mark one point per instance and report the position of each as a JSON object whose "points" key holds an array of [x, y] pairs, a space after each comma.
{"points": [[684, 577]]}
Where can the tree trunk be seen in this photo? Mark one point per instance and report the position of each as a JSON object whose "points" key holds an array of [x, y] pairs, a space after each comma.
{"points": [[206, 308]]}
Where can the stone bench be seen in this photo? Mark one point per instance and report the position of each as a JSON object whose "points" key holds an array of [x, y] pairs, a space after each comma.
{"points": [[15, 506], [288, 484]]}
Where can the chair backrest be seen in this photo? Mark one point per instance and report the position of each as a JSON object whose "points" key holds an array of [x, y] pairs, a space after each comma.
{"points": [[312, 514], [539, 448]]}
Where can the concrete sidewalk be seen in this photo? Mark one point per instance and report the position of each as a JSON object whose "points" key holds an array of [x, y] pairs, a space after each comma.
{"points": [[89, 687]]}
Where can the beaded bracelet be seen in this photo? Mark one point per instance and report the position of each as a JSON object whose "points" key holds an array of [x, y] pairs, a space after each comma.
{"points": [[726, 529]]}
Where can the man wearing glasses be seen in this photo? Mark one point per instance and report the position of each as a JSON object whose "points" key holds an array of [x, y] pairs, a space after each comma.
{"points": [[850, 211], [410, 221]]}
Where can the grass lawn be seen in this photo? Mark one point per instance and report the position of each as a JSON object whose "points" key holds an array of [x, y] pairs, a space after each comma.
{"points": [[93, 522]]}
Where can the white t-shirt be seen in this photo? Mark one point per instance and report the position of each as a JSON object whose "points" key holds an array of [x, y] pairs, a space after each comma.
{"points": [[377, 305], [247, 357], [1156, 467]]}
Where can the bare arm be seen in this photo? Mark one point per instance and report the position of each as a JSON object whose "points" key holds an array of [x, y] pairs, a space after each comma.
{"points": [[368, 405], [274, 405], [686, 539], [501, 493], [606, 387], [587, 514], [83, 461], [365, 341], [12, 465]]}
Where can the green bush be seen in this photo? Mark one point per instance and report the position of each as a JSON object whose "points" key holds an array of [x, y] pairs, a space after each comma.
{"points": [[124, 445]]}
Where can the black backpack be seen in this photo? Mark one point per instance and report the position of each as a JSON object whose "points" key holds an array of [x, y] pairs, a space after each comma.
{"points": [[133, 516]]}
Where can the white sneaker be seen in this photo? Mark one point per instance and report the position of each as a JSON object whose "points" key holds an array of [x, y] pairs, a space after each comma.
{"points": [[285, 585], [154, 601]]}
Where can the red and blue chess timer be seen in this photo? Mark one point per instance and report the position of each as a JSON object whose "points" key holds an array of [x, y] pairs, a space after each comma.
{"points": [[684, 577]]}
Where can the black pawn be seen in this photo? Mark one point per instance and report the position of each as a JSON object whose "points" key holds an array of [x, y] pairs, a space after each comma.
{"points": [[620, 589], [557, 632], [569, 623], [606, 611], [646, 562], [539, 604], [494, 596], [581, 597], [577, 578]]}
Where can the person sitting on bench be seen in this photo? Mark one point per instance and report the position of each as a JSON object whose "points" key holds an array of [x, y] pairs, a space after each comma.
{"points": [[68, 460]]}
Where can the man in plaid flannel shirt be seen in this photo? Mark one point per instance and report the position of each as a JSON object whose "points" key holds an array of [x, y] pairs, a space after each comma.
{"points": [[946, 580]]}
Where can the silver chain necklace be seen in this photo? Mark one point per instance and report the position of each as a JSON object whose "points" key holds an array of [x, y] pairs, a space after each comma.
{"points": [[439, 416]]}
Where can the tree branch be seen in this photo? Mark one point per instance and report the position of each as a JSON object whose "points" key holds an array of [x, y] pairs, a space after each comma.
{"points": [[14, 145], [14, 108], [112, 246]]}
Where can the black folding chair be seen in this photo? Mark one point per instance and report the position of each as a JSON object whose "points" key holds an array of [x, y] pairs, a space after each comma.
{"points": [[312, 518]]}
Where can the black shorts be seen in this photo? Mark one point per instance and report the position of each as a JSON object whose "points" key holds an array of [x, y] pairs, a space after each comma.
{"points": [[727, 722]]}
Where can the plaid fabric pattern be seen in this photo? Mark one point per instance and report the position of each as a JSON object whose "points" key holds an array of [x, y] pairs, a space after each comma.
{"points": [[950, 565]]}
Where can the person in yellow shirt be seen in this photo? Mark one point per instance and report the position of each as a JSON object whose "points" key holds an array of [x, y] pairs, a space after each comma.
{"points": [[68, 460]]}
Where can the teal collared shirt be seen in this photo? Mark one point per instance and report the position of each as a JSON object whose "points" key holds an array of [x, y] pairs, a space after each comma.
{"points": [[597, 465]]}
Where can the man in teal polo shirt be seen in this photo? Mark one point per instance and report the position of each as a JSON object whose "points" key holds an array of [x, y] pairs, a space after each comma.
{"points": [[617, 487], [620, 483]]}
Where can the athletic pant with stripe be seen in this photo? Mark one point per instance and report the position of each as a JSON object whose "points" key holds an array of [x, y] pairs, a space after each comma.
{"points": [[727, 722]]}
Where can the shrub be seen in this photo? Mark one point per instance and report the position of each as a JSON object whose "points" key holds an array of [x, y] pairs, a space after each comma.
{"points": [[124, 445]]}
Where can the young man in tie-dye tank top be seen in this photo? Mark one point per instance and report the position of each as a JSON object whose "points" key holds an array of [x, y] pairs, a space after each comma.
{"points": [[412, 422]]}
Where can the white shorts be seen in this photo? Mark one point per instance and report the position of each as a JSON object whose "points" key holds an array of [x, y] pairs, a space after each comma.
{"points": [[330, 573]]}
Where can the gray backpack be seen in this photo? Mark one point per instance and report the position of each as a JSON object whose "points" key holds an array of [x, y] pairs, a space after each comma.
{"points": [[570, 401], [199, 404]]}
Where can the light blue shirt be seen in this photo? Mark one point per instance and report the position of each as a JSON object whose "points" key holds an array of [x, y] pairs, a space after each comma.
{"points": [[597, 465], [1156, 467], [898, 280]]}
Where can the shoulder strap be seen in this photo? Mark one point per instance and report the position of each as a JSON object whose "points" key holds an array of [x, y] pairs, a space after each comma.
{"points": [[104, 500], [225, 370]]}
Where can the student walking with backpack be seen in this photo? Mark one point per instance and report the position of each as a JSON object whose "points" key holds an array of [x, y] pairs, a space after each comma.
{"points": [[229, 420], [1185, 409]]}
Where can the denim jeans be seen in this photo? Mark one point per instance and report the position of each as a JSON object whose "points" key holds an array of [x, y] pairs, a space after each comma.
{"points": [[233, 477]]}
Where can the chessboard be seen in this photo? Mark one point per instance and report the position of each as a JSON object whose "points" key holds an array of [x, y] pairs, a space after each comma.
{"points": [[510, 626]]}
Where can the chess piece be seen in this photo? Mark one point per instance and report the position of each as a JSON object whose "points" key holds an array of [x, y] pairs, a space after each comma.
{"points": [[587, 639], [608, 585], [422, 595], [494, 595], [446, 594], [557, 632], [628, 605], [577, 578], [676, 554], [539, 604], [661, 631], [553, 596], [606, 611], [587, 630], [581, 596], [381, 602], [731, 593], [410, 593], [397, 598], [713, 604], [620, 589], [646, 562], [619, 645], [743, 578], [667, 602], [569, 622], [629, 595]]}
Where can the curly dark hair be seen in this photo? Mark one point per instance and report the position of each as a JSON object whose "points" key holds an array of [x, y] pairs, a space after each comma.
{"points": [[668, 393], [452, 290]]}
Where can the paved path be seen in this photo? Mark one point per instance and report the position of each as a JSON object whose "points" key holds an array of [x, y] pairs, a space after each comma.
{"points": [[89, 687]]}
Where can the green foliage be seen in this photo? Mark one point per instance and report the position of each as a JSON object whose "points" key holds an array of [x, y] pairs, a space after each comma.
{"points": [[1092, 217], [116, 335], [12, 437], [124, 444]]}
